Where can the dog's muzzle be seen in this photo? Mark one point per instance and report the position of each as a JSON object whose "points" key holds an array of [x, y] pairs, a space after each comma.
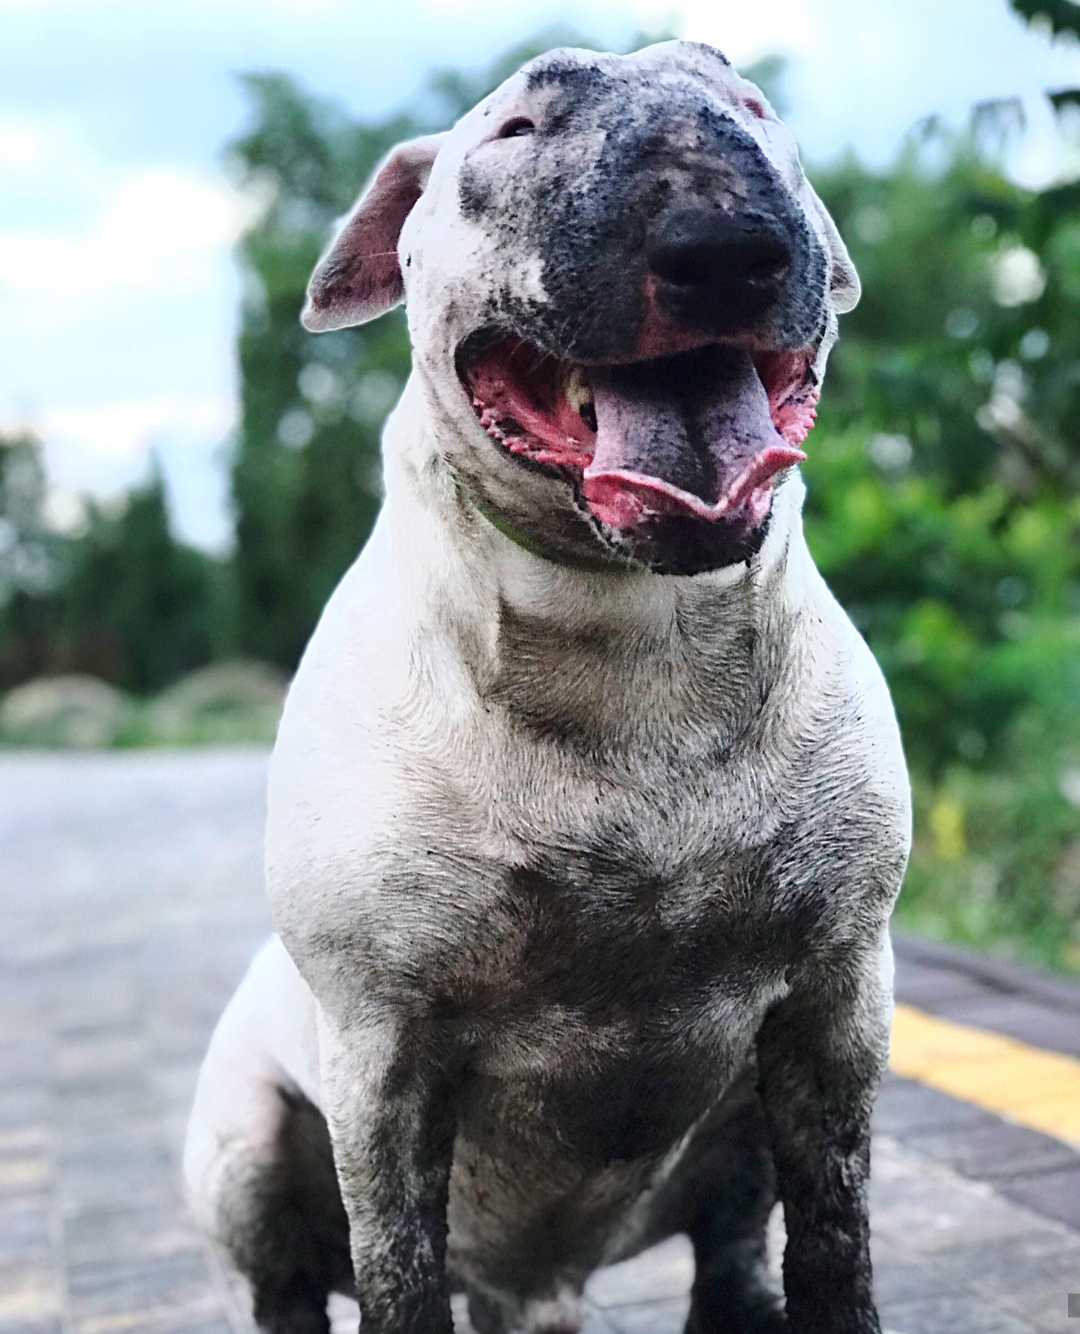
{"points": [[678, 385], [699, 435]]}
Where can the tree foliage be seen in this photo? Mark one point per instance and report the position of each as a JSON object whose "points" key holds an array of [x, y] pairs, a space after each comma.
{"points": [[943, 482], [944, 472], [943, 479], [1060, 16], [123, 600]]}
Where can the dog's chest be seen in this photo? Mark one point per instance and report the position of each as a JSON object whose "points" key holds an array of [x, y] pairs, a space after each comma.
{"points": [[612, 960], [602, 914], [611, 997]]}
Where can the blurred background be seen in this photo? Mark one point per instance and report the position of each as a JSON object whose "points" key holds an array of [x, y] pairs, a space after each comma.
{"points": [[185, 474]]}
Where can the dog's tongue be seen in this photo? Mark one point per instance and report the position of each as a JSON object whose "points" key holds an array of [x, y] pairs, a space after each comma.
{"points": [[691, 435]]}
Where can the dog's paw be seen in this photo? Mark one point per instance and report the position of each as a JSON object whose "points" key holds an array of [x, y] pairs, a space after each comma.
{"points": [[296, 1320], [758, 1318]]}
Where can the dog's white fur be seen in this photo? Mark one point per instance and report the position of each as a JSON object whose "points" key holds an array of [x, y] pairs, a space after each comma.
{"points": [[402, 746]]}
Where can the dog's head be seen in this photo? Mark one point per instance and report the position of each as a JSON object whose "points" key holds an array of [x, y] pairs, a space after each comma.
{"points": [[621, 293]]}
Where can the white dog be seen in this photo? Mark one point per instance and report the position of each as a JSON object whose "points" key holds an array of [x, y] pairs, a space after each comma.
{"points": [[588, 807]]}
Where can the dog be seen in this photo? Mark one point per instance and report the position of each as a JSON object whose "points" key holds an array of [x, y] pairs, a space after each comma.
{"points": [[588, 807]]}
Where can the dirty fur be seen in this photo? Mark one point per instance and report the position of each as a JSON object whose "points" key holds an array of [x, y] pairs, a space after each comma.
{"points": [[580, 872]]}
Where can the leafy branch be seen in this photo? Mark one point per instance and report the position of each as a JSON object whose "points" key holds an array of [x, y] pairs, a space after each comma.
{"points": [[1061, 15]]}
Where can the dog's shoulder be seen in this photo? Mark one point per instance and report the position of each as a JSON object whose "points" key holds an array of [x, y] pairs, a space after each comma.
{"points": [[848, 795]]}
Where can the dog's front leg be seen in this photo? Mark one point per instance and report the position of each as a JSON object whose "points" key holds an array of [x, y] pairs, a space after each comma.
{"points": [[390, 1102], [821, 1054]]}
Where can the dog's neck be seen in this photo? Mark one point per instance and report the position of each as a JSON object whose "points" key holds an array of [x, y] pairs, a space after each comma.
{"points": [[571, 646]]}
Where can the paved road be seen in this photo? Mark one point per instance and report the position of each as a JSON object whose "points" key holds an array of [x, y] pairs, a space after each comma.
{"points": [[131, 902]]}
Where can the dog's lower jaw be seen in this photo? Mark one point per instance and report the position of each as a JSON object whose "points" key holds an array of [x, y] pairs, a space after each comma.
{"points": [[683, 547], [539, 507]]}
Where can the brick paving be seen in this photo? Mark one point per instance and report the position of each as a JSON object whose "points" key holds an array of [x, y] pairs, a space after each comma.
{"points": [[131, 903], [1025, 1166]]}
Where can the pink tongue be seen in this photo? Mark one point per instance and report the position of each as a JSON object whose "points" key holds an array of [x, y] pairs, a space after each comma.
{"points": [[692, 436]]}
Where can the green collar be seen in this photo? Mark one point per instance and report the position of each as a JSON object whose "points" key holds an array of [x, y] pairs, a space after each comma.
{"points": [[584, 563]]}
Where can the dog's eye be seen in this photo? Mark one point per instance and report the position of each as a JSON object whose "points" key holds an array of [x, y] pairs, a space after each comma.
{"points": [[514, 129]]}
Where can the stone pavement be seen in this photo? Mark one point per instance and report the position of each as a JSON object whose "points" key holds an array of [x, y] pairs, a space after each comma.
{"points": [[131, 896]]}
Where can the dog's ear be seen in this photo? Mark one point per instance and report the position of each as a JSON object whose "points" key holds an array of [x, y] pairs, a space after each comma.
{"points": [[359, 277], [844, 285]]}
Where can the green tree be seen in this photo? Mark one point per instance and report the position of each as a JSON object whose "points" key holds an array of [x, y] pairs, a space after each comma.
{"points": [[122, 600], [33, 561], [1058, 15], [943, 510], [306, 478], [138, 607]]}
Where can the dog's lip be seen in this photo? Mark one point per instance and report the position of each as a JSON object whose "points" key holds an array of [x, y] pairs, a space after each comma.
{"points": [[622, 497], [541, 409]]}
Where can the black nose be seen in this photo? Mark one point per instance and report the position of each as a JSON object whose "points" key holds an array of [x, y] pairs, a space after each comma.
{"points": [[719, 271]]}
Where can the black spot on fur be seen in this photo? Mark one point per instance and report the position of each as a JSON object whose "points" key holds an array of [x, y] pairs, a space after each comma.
{"points": [[612, 153], [293, 1240], [721, 1195]]}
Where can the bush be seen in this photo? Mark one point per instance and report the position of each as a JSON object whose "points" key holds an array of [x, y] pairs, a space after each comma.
{"points": [[76, 712], [943, 511], [228, 702], [225, 702], [122, 600]]}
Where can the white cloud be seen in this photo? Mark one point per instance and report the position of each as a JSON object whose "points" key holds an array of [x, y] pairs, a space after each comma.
{"points": [[21, 144], [162, 229], [120, 432], [744, 31], [115, 330], [100, 448]]}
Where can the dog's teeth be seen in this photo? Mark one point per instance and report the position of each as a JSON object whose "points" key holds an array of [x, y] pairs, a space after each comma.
{"points": [[578, 392]]}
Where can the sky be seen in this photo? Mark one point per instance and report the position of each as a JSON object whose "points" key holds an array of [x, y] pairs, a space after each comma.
{"points": [[118, 290]]}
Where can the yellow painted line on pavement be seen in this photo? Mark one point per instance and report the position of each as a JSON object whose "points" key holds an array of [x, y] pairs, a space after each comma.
{"points": [[1029, 1085]]}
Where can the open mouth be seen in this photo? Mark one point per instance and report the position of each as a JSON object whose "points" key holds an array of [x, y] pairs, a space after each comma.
{"points": [[701, 434]]}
